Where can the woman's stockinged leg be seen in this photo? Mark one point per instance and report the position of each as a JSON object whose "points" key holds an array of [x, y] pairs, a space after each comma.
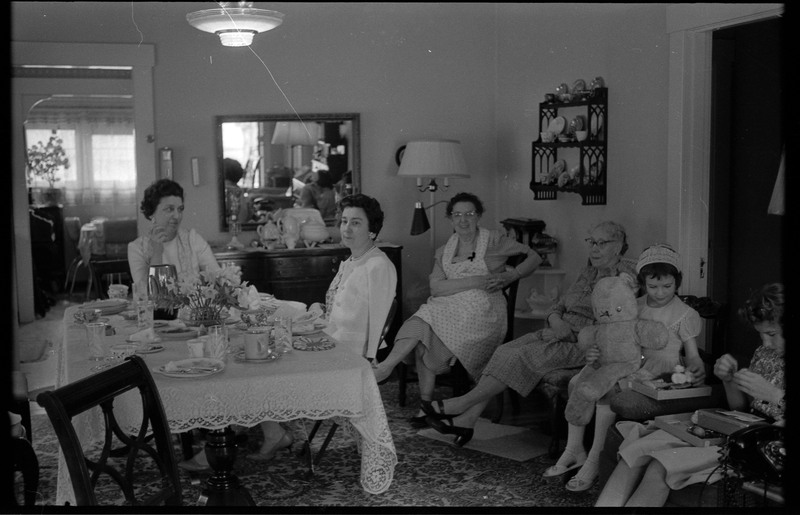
{"points": [[482, 393], [399, 351], [620, 485], [653, 489]]}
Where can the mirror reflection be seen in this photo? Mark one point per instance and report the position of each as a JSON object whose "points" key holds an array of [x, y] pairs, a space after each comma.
{"points": [[271, 162]]}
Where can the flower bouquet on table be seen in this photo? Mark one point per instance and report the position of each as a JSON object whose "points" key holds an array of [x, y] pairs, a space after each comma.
{"points": [[204, 298]]}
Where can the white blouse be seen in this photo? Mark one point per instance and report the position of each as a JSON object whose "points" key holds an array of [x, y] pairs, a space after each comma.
{"points": [[362, 294]]}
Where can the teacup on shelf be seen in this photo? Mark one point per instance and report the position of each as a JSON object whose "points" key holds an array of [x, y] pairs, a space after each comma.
{"points": [[548, 136], [581, 135]]}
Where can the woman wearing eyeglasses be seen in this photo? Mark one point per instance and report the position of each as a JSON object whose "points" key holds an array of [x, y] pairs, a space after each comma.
{"points": [[465, 316], [520, 364]]}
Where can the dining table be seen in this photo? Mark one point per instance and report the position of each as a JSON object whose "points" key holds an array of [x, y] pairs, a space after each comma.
{"points": [[334, 383]]}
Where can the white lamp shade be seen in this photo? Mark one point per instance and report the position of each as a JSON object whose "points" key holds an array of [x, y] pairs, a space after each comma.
{"points": [[433, 158], [296, 133], [235, 26]]}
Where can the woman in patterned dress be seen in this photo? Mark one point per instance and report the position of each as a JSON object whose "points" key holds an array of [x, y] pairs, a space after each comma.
{"points": [[520, 364], [465, 316], [654, 462]]}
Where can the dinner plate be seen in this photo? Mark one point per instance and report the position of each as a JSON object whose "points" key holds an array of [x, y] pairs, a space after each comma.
{"points": [[107, 306], [557, 125], [177, 333], [313, 344], [149, 348], [240, 358], [192, 367]]}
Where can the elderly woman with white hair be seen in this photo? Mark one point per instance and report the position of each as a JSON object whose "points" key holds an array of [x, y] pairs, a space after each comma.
{"points": [[520, 364]]}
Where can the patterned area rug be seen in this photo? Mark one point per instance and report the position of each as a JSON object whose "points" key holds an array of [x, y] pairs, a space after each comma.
{"points": [[429, 473]]}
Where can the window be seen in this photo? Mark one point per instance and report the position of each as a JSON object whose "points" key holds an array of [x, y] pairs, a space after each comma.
{"points": [[98, 137]]}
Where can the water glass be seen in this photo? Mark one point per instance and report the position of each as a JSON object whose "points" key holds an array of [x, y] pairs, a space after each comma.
{"points": [[282, 334], [96, 333], [144, 313], [216, 346]]}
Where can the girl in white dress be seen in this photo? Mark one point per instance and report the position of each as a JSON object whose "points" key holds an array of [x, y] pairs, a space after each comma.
{"points": [[659, 275]]}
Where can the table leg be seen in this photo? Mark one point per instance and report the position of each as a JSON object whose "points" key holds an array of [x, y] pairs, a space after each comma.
{"points": [[223, 487]]}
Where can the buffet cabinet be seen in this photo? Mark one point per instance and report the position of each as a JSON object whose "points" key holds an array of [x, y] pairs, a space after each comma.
{"points": [[304, 274]]}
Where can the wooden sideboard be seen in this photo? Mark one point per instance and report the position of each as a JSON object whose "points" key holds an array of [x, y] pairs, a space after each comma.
{"points": [[304, 274]]}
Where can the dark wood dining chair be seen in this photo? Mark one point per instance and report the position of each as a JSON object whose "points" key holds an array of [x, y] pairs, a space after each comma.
{"points": [[458, 378], [334, 425], [93, 467]]}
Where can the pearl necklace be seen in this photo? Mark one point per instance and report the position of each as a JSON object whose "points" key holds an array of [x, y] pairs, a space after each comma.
{"points": [[356, 258]]}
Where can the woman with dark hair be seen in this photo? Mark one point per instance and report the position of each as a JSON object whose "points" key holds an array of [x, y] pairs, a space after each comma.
{"points": [[520, 364], [358, 299], [165, 242], [360, 295], [652, 463], [465, 316]]}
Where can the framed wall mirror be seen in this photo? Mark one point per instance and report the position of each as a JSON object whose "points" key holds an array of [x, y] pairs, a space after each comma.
{"points": [[266, 161]]}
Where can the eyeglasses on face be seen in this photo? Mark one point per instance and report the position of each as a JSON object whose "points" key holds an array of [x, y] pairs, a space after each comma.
{"points": [[469, 215], [602, 244]]}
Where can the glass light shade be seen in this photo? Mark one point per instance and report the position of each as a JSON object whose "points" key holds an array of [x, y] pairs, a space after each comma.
{"points": [[420, 223], [296, 133], [433, 158], [235, 26]]}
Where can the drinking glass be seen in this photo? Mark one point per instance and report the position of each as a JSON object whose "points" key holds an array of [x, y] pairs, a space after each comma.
{"points": [[144, 313], [96, 333], [282, 334], [216, 346]]}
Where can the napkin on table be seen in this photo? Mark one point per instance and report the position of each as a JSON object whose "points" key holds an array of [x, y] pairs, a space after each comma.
{"points": [[144, 336]]}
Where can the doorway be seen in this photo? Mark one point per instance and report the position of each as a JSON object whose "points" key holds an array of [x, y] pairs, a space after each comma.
{"points": [[141, 59], [745, 243]]}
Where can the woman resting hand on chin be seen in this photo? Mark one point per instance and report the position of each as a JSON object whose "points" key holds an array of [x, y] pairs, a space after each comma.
{"points": [[165, 242]]}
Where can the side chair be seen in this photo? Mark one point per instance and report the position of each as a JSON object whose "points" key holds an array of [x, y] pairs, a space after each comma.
{"points": [[86, 468], [334, 425]]}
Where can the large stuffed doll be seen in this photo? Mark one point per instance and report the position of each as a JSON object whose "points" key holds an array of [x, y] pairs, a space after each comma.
{"points": [[620, 336]]}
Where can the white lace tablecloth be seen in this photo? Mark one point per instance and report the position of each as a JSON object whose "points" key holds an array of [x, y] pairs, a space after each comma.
{"points": [[314, 385]]}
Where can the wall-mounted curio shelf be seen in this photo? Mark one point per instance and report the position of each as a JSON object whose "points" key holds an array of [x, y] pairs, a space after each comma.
{"points": [[565, 163]]}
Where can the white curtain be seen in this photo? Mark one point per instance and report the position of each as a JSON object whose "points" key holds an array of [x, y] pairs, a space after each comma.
{"points": [[98, 137]]}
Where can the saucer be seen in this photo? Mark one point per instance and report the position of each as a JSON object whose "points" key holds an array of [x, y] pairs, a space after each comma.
{"points": [[240, 358], [313, 344]]}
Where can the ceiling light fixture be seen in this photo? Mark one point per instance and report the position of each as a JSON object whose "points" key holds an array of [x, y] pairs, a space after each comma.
{"points": [[235, 26]]}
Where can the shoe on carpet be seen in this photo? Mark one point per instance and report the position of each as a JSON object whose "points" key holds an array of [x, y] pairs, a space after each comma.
{"points": [[285, 442], [559, 470], [198, 463], [579, 484]]}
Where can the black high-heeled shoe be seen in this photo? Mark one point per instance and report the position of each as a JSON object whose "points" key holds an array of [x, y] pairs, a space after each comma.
{"points": [[427, 407], [417, 422], [463, 434]]}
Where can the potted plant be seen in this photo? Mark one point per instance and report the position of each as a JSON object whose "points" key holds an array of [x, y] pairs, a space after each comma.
{"points": [[45, 161]]}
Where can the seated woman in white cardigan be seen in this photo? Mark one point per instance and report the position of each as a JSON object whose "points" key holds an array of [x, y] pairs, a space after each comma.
{"points": [[358, 299]]}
